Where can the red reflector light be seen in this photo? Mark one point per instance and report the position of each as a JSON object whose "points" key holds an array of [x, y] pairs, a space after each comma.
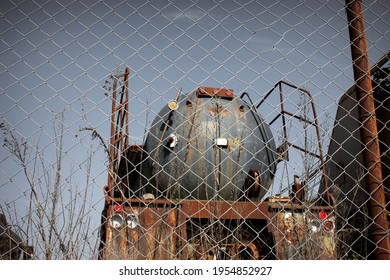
{"points": [[323, 215], [118, 208]]}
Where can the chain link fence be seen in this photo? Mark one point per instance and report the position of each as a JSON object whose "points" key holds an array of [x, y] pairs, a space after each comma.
{"points": [[190, 130]]}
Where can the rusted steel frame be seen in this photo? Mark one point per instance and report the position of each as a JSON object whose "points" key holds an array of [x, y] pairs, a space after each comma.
{"points": [[184, 209], [181, 236], [119, 138], [138, 202], [369, 131], [208, 209], [225, 210], [218, 92], [292, 115], [127, 74], [303, 150], [122, 117], [247, 95], [110, 178], [116, 136], [276, 118], [125, 143], [314, 123], [120, 106], [108, 232], [289, 206], [317, 127], [299, 118], [267, 95], [282, 111]]}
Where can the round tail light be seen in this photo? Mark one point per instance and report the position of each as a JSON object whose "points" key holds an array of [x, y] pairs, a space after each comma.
{"points": [[116, 221], [315, 226], [132, 221], [328, 225]]}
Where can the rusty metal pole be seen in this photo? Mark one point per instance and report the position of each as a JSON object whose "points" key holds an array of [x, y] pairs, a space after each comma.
{"points": [[378, 231]]}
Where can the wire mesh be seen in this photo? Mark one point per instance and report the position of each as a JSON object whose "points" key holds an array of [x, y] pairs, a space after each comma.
{"points": [[187, 130]]}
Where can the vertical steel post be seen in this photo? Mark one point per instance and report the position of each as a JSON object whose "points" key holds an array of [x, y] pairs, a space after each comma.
{"points": [[110, 178], [378, 231]]}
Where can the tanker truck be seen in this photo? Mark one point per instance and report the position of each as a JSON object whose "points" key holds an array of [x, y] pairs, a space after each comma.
{"points": [[197, 188]]}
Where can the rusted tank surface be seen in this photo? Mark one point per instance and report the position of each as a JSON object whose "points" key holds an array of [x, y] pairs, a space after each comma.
{"points": [[209, 144]]}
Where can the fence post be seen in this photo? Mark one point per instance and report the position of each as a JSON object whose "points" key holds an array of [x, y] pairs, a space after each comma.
{"points": [[378, 231]]}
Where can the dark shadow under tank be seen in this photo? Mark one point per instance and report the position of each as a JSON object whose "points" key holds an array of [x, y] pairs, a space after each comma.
{"points": [[206, 145]]}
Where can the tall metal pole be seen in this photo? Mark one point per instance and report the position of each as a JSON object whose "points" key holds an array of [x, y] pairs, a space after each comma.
{"points": [[378, 230]]}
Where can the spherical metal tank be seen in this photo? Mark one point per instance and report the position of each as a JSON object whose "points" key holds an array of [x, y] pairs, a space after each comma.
{"points": [[209, 144]]}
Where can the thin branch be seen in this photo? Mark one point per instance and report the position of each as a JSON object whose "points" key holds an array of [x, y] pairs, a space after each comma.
{"points": [[94, 135]]}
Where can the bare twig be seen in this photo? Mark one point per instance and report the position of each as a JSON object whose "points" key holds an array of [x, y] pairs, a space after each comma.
{"points": [[95, 134]]}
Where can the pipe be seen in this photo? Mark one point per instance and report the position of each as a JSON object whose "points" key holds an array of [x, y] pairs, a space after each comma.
{"points": [[297, 191], [378, 230]]}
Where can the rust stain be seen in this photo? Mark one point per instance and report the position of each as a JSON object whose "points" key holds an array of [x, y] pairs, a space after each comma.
{"points": [[223, 112]]}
